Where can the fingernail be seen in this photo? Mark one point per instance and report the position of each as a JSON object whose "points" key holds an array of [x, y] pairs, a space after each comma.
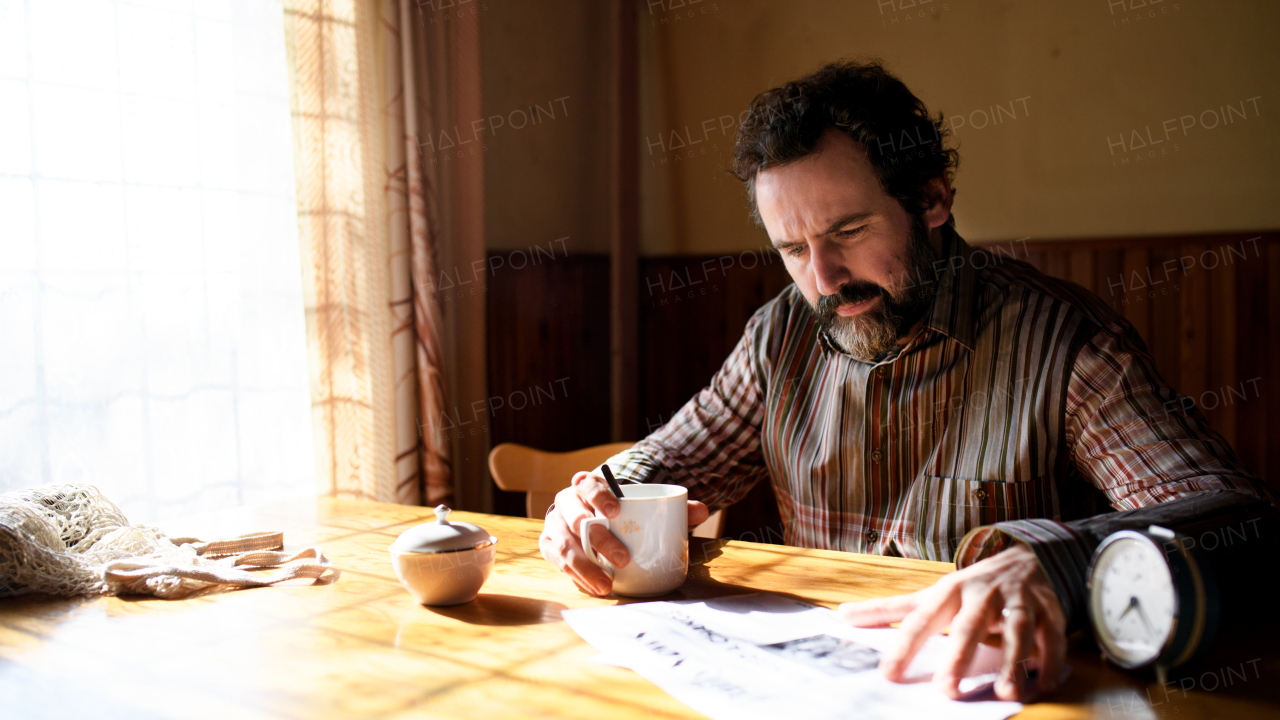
{"points": [[849, 608], [618, 558]]}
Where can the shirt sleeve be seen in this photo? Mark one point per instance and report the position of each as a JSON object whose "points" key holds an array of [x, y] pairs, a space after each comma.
{"points": [[1064, 550], [1137, 440], [712, 446]]}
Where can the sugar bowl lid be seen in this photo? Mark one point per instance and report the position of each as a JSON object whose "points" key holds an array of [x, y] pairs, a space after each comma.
{"points": [[441, 536]]}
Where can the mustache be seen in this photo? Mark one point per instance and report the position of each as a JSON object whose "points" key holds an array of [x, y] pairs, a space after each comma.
{"points": [[850, 293]]}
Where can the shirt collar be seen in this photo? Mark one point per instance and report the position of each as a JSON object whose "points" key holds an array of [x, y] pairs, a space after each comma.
{"points": [[952, 313]]}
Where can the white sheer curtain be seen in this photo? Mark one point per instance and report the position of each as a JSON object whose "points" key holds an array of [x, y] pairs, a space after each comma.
{"points": [[152, 337]]}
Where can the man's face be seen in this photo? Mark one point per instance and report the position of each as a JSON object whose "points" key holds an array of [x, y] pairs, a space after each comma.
{"points": [[856, 255]]}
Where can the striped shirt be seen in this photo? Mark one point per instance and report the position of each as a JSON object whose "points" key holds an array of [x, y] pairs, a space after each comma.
{"points": [[1023, 397]]}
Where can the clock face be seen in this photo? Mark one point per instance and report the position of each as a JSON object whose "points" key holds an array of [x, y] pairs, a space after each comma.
{"points": [[1133, 603]]}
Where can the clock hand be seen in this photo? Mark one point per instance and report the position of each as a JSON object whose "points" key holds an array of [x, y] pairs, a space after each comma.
{"points": [[1142, 615], [1133, 603]]}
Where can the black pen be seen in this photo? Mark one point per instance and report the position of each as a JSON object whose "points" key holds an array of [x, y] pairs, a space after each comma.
{"points": [[613, 484]]}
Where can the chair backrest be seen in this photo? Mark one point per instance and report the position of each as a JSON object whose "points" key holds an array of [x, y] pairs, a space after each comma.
{"points": [[542, 474]]}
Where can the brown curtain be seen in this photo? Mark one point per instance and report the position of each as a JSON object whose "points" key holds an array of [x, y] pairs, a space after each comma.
{"points": [[439, 56], [420, 385], [380, 221]]}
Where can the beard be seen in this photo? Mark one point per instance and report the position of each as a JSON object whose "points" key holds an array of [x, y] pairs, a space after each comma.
{"points": [[868, 335]]}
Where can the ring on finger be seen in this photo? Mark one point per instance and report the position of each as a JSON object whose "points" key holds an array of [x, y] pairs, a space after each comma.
{"points": [[1009, 611]]}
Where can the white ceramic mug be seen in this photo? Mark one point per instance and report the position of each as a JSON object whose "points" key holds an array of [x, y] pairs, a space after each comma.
{"points": [[654, 525]]}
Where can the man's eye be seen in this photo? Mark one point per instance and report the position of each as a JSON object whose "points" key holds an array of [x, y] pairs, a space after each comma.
{"points": [[795, 250], [851, 232]]}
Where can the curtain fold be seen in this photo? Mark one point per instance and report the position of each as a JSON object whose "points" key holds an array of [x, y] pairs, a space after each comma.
{"points": [[423, 450], [337, 162], [391, 361], [433, 88]]}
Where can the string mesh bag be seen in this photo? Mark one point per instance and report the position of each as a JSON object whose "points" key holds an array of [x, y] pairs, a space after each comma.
{"points": [[71, 540]]}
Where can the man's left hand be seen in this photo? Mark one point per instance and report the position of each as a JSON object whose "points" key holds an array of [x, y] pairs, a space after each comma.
{"points": [[1007, 593]]}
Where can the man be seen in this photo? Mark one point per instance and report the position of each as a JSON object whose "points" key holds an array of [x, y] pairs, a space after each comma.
{"points": [[910, 395]]}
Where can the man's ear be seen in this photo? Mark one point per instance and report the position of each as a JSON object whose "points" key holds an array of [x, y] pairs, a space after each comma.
{"points": [[940, 196]]}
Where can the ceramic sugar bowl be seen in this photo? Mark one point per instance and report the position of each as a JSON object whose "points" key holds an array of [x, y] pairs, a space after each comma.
{"points": [[442, 562]]}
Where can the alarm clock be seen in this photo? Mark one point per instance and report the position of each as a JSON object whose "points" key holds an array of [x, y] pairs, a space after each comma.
{"points": [[1152, 600]]}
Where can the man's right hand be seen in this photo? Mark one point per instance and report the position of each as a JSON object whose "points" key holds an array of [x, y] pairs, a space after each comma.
{"points": [[588, 496]]}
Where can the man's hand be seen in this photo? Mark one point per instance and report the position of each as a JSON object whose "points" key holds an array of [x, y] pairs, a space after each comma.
{"points": [[588, 495], [1006, 594]]}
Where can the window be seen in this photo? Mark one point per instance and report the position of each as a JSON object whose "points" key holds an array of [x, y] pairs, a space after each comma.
{"points": [[152, 337]]}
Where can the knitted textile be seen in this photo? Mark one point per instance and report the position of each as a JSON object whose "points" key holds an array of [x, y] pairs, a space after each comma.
{"points": [[71, 540]]}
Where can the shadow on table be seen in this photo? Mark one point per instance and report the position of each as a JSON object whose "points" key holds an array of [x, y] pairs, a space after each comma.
{"points": [[39, 614], [700, 585], [489, 609]]}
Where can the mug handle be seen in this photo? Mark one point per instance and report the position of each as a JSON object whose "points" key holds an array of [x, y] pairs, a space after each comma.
{"points": [[584, 534]]}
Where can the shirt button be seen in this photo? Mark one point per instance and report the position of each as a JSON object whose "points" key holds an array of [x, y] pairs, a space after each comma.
{"points": [[980, 494], [872, 535], [880, 371], [876, 455]]}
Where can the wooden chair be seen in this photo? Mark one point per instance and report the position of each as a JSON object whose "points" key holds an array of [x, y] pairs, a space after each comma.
{"points": [[540, 475]]}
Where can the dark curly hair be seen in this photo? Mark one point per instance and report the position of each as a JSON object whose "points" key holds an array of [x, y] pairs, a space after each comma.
{"points": [[906, 146]]}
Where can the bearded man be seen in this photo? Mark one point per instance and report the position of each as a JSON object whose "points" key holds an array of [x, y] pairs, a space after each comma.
{"points": [[911, 395]]}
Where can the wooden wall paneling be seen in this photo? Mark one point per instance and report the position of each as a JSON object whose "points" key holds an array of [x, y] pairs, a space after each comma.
{"points": [[1134, 305], [548, 373], [1160, 291], [755, 518], [624, 242], [466, 237], [1081, 269], [1108, 277], [1222, 348], [1056, 263], [670, 362], [1193, 346], [692, 313], [1271, 463], [1036, 259], [760, 276], [677, 330], [776, 277], [742, 292], [1252, 352]]}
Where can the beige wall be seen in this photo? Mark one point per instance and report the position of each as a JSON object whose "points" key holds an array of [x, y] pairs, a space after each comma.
{"points": [[1048, 172], [548, 180]]}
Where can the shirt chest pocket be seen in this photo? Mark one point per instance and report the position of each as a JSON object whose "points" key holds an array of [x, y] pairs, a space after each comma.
{"points": [[943, 509], [1015, 497], [957, 505]]}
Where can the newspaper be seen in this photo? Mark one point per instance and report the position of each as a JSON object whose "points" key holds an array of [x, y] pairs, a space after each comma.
{"points": [[765, 656]]}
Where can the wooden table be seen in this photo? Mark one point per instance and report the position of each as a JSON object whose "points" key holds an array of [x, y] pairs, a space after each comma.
{"points": [[360, 647]]}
